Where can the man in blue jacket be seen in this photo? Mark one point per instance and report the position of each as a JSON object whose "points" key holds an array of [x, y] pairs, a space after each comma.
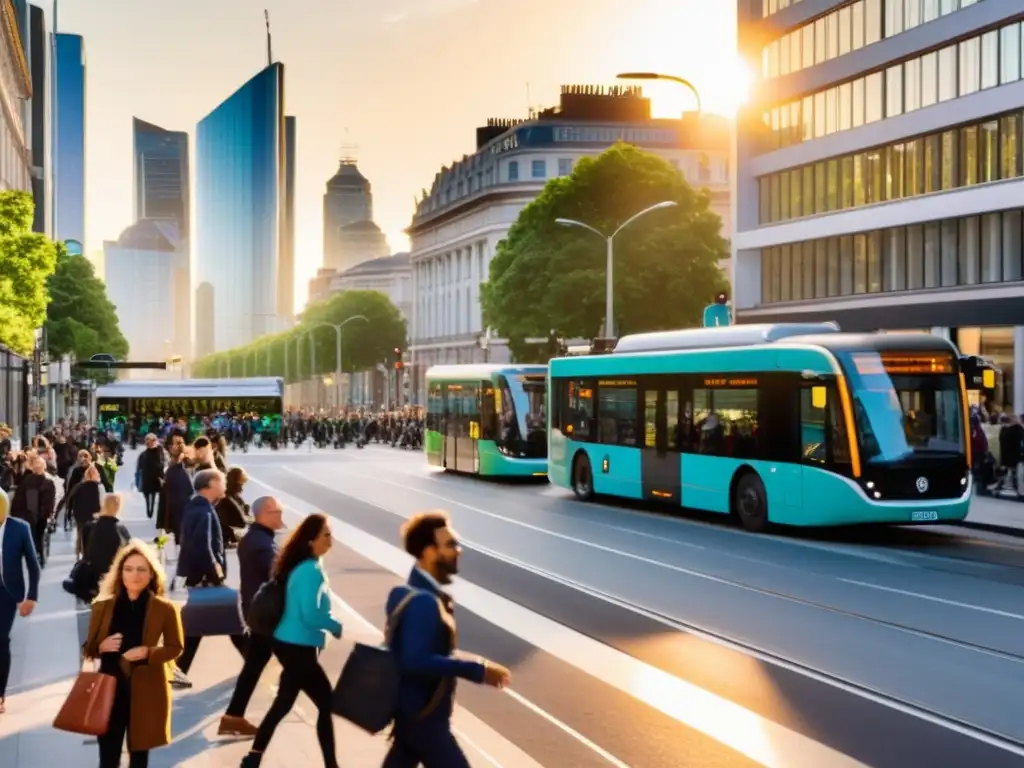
{"points": [[424, 643], [202, 559], [17, 553]]}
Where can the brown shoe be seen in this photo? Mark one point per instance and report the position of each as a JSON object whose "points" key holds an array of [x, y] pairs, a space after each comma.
{"points": [[236, 726]]}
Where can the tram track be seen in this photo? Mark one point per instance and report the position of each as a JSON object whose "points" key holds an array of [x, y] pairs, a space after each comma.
{"points": [[988, 736]]}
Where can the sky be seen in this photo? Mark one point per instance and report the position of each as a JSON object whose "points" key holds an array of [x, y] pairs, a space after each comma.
{"points": [[405, 82]]}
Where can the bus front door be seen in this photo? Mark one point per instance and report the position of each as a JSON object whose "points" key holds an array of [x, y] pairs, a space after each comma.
{"points": [[661, 464]]}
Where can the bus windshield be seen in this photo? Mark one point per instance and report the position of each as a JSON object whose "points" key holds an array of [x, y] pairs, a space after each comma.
{"points": [[522, 417], [906, 405]]}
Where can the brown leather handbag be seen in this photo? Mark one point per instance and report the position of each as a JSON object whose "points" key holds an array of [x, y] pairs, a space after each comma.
{"points": [[87, 707]]}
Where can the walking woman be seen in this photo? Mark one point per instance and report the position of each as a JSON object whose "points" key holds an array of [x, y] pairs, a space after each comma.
{"points": [[149, 472], [301, 635], [136, 634]]}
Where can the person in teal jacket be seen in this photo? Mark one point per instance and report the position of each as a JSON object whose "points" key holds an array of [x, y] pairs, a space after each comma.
{"points": [[301, 635]]}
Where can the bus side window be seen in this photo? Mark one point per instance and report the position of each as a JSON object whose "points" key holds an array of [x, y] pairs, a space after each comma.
{"points": [[435, 405], [823, 436], [578, 409], [470, 410]]}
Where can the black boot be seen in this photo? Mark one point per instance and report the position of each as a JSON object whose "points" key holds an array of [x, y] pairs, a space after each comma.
{"points": [[252, 760]]}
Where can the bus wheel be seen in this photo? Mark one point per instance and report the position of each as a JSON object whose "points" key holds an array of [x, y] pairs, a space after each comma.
{"points": [[750, 503], [582, 478]]}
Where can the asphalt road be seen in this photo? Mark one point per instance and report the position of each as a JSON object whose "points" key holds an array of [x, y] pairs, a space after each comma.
{"points": [[640, 639]]}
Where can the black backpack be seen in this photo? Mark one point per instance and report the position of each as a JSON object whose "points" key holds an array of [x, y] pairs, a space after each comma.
{"points": [[267, 608]]}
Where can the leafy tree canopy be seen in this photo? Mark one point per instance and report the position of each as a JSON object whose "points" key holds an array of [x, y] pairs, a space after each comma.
{"points": [[27, 259], [548, 280], [80, 319], [364, 342]]}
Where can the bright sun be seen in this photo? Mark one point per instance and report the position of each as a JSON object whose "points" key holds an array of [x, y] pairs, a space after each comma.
{"points": [[722, 89]]}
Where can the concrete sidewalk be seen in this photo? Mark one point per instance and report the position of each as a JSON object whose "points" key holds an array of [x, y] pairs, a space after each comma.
{"points": [[1000, 514], [45, 651]]}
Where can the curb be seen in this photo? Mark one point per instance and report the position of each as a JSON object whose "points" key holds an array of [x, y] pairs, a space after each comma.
{"points": [[1005, 530]]}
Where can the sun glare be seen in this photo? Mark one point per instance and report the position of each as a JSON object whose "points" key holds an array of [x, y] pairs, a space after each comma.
{"points": [[722, 88]]}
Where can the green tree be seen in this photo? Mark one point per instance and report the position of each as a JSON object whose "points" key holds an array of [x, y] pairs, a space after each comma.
{"points": [[80, 319], [548, 280], [27, 259], [364, 343]]}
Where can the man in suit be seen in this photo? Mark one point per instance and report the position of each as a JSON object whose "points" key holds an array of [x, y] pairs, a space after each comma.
{"points": [[17, 552], [202, 560], [424, 642]]}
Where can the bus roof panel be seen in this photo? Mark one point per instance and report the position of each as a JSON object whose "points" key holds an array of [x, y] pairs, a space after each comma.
{"points": [[193, 388], [762, 358], [718, 338], [881, 342], [481, 371]]}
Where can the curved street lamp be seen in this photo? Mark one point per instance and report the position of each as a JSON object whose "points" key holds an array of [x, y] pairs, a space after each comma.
{"points": [[660, 76], [609, 292], [337, 350]]}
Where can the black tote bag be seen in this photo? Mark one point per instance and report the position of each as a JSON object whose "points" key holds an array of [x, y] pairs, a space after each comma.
{"points": [[367, 691]]}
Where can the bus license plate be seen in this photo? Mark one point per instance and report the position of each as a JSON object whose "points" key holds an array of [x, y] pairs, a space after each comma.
{"points": [[924, 515]]}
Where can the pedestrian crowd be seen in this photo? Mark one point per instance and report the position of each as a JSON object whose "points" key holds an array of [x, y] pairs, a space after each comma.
{"points": [[142, 646]]}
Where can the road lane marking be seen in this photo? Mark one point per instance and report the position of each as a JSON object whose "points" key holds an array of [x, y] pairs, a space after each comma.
{"points": [[760, 739], [652, 561], [944, 601]]}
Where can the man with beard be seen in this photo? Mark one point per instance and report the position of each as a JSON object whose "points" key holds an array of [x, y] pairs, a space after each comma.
{"points": [[424, 647]]}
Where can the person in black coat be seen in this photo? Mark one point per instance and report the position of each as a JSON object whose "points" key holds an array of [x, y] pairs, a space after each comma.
{"points": [[107, 535], [257, 553], [150, 473], [176, 491], [34, 501]]}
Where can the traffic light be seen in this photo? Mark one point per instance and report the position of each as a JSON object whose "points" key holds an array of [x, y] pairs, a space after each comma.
{"points": [[398, 358]]}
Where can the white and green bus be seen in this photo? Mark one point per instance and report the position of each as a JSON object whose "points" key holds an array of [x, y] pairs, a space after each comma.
{"points": [[791, 424], [487, 419]]}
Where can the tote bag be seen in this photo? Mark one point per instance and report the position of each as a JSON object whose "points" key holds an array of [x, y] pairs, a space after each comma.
{"points": [[87, 707]]}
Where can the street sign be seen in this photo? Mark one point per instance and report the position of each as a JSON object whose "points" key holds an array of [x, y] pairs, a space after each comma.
{"points": [[103, 365], [716, 315]]}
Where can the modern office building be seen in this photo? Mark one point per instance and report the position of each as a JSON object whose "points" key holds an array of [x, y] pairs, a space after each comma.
{"points": [[350, 234], [160, 172], [16, 83], [38, 118], [472, 204], [69, 139], [879, 171], [146, 271], [286, 272], [241, 225]]}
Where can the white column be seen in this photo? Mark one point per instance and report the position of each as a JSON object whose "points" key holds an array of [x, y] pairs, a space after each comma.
{"points": [[1018, 370]]}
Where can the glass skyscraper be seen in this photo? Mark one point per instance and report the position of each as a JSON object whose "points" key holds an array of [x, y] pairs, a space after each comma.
{"points": [[69, 149], [161, 174], [242, 252]]}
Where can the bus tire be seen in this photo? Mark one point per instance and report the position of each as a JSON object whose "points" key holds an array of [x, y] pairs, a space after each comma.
{"points": [[750, 502], [582, 477]]}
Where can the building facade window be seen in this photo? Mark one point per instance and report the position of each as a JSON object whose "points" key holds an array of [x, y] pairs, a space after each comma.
{"points": [[847, 29], [978, 63], [949, 253], [513, 170], [564, 166], [538, 169], [957, 157]]}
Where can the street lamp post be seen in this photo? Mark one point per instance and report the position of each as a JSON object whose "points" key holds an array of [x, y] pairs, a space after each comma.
{"points": [[337, 350], [609, 292], [659, 76]]}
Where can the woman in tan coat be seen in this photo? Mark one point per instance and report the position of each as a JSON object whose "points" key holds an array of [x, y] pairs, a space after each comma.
{"points": [[136, 635]]}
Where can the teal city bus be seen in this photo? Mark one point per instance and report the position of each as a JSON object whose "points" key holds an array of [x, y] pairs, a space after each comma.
{"points": [[784, 424], [487, 419]]}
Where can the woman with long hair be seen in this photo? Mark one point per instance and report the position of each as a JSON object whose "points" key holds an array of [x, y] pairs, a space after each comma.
{"points": [[135, 632], [301, 635], [232, 511]]}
